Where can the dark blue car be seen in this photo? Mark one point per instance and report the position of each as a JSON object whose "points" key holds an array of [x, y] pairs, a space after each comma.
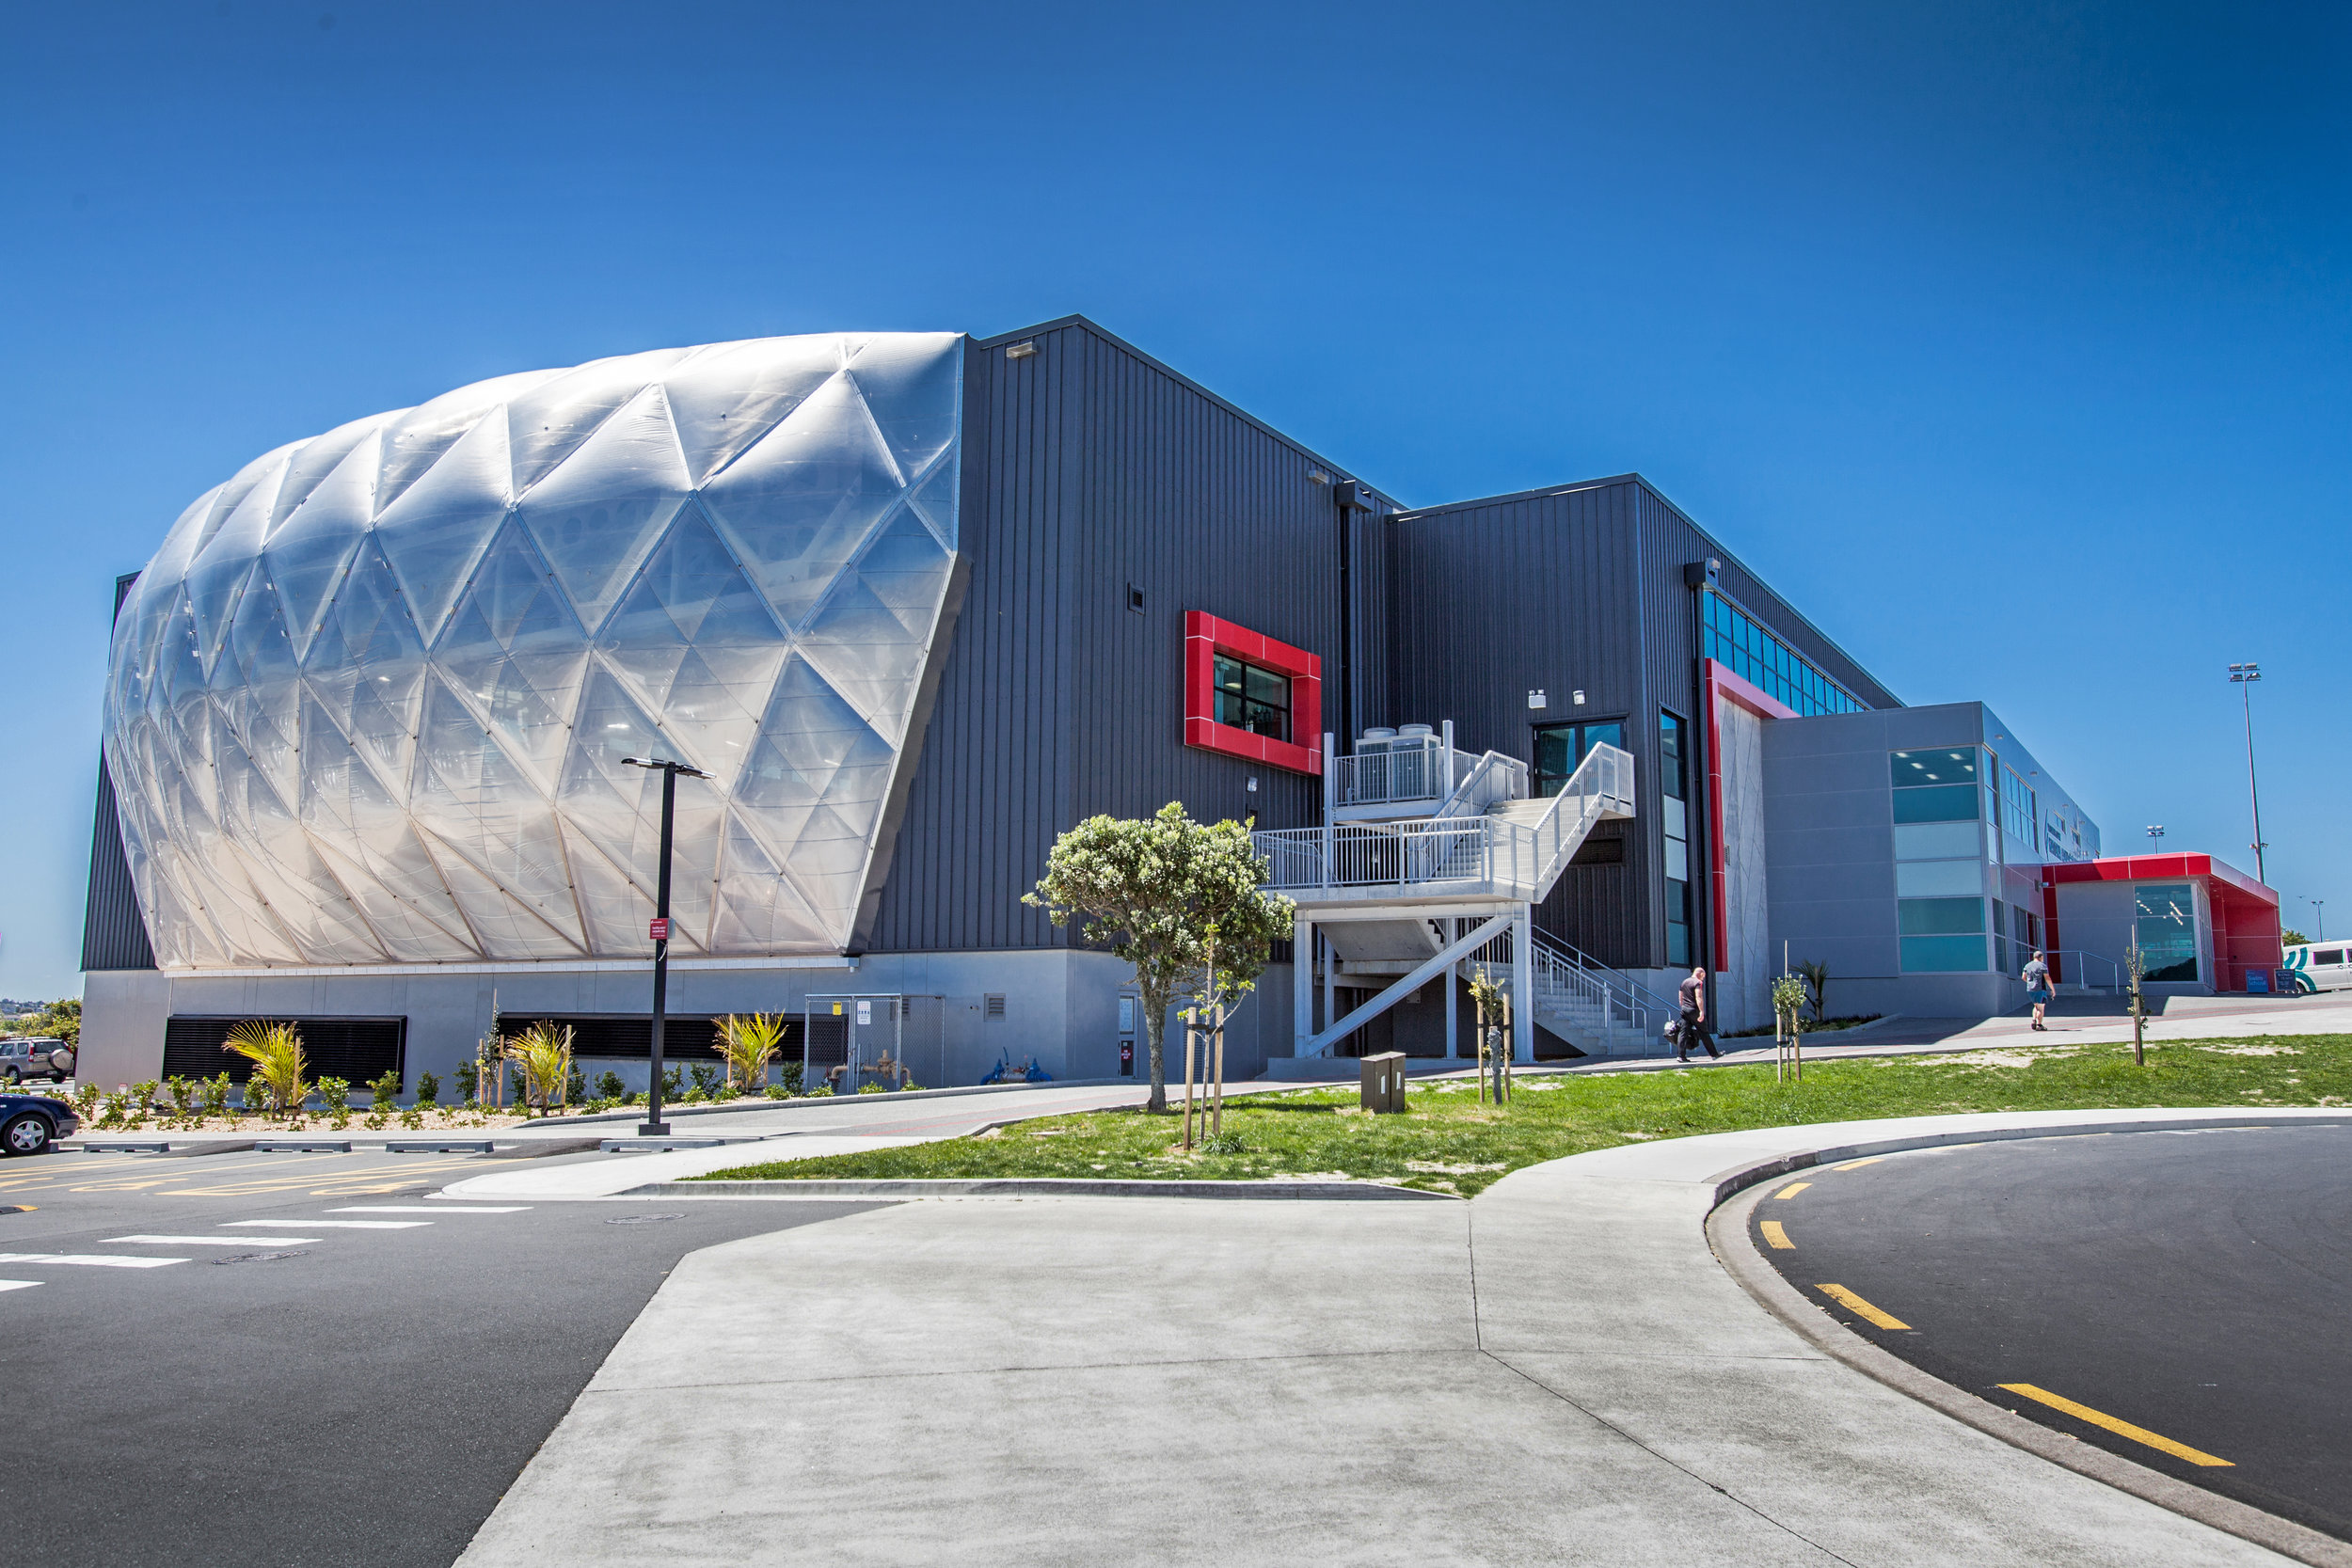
{"points": [[33, 1123]]}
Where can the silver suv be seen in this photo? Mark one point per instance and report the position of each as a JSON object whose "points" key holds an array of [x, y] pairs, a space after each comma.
{"points": [[21, 1060]]}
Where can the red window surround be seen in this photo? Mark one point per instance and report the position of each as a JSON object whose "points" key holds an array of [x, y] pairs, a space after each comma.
{"points": [[1205, 637]]}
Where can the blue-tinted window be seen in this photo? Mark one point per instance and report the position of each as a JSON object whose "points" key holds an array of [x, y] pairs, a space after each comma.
{"points": [[1919, 768], [1758, 657], [1936, 804], [1942, 955], [2165, 927], [1934, 917]]}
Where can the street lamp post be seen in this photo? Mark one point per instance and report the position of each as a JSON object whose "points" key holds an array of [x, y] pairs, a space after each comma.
{"points": [[2155, 832], [654, 1127], [2319, 916], [2244, 676]]}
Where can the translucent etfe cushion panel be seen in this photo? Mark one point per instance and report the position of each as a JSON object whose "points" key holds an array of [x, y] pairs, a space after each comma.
{"points": [[368, 700]]}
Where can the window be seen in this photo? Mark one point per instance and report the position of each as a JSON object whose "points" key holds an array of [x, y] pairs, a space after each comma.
{"points": [[2018, 808], [1675, 813], [1940, 934], [1252, 699], [2328, 956], [1730, 637], [1559, 748], [2165, 929], [1935, 787]]}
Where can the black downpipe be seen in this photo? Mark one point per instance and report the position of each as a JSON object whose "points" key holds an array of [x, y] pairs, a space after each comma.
{"points": [[1352, 499]]}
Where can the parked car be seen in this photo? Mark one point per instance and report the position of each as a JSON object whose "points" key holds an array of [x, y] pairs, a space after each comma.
{"points": [[24, 1058], [33, 1123]]}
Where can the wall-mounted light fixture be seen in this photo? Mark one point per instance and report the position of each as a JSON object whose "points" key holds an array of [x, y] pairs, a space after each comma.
{"points": [[1317, 476], [1579, 698], [1253, 784], [1019, 351], [1537, 699]]}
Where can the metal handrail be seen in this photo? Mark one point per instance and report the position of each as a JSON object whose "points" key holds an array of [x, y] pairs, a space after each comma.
{"points": [[1524, 857], [2058, 976], [1401, 770], [1574, 955], [1485, 780], [1621, 1001]]}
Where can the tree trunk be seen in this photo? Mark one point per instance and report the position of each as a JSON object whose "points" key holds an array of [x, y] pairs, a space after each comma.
{"points": [[1156, 1030]]}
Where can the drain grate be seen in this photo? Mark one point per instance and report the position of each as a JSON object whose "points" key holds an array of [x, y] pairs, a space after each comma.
{"points": [[642, 1219], [257, 1257]]}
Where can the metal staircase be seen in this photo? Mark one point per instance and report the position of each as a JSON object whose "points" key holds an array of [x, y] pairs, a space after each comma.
{"points": [[1600, 1010], [1428, 855]]}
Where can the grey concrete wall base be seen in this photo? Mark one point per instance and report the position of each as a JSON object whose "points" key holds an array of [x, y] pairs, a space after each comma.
{"points": [[1728, 1235], [1036, 1186]]}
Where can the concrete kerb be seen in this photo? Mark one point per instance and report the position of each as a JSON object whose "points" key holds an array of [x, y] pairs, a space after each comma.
{"points": [[1033, 1186], [1738, 1190]]}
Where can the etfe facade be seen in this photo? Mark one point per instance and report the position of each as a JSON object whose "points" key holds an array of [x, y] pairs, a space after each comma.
{"points": [[919, 603]]}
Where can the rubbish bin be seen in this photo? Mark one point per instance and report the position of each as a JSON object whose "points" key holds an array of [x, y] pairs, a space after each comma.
{"points": [[1383, 1088]]}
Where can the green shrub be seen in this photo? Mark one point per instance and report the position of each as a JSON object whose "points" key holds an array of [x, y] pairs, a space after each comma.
{"points": [[822, 1091], [673, 1082], [1223, 1143], [788, 1074], [110, 1110], [216, 1096], [874, 1088], [428, 1091], [142, 1100], [706, 1077], [86, 1100], [182, 1091], [384, 1094], [608, 1085], [335, 1093], [777, 1091]]}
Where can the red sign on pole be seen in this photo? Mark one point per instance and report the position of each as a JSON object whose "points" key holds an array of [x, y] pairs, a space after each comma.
{"points": [[659, 929]]}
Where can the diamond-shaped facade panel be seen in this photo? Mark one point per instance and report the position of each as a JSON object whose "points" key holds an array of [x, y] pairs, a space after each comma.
{"points": [[368, 702]]}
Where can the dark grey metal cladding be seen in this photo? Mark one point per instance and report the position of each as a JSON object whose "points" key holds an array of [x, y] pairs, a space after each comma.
{"points": [[1578, 586], [1089, 468], [113, 934], [1492, 599]]}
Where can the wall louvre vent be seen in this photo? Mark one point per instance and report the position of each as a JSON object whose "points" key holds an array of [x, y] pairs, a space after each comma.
{"points": [[995, 1006]]}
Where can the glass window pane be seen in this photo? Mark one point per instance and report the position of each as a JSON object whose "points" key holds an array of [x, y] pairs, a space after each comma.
{"points": [[1936, 878], [1934, 768], [1601, 735], [1936, 804], [1267, 687], [1925, 918], [1228, 673], [1941, 954]]}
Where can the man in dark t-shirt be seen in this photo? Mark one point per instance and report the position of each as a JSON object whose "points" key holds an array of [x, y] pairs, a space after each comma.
{"points": [[1692, 999]]}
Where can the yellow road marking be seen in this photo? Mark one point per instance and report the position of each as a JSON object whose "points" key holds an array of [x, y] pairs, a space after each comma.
{"points": [[1860, 1308], [2125, 1429], [1792, 1189], [1774, 1234], [1857, 1164]]}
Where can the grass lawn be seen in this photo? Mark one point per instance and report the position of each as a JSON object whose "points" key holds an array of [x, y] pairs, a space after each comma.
{"points": [[1447, 1142]]}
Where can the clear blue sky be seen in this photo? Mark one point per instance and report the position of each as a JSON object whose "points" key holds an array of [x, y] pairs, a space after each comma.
{"points": [[2008, 342]]}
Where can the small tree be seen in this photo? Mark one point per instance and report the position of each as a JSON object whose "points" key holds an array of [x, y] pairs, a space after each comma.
{"points": [[1151, 890], [275, 1052], [749, 1042], [1815, 974], [1789, 1018], [543, 1056]]}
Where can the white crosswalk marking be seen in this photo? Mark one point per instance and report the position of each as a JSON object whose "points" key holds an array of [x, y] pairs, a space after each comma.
{"points": [[336, 1224], [198, 1241], [19, 1284], [94, 1259], [429, 1209]]}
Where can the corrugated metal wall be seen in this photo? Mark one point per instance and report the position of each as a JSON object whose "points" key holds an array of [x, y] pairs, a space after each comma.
{"points": [[112, 935], [1580, 587], [1090, 468]]}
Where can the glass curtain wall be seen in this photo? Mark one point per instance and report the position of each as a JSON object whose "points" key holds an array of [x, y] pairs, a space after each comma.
{"points": [[1732, 637], [2165, 927], [1939, 860]]}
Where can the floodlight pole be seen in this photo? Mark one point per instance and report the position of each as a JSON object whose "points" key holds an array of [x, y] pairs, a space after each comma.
{"points": [[2245, 675], [654, 1126]]}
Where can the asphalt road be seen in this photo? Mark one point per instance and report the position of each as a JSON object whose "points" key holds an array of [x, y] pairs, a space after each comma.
{"points": [[2193, 1286], [301, 1393]]}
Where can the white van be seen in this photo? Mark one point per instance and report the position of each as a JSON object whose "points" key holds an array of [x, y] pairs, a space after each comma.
{"points": [[2322, 965]]}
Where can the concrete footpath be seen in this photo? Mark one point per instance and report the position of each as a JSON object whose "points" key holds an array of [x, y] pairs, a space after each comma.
{"points": [[1558, 1371]]}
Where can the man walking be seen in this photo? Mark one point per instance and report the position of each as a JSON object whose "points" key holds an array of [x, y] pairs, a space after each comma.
{"points": [[2037, 978], [1692, 998]]}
